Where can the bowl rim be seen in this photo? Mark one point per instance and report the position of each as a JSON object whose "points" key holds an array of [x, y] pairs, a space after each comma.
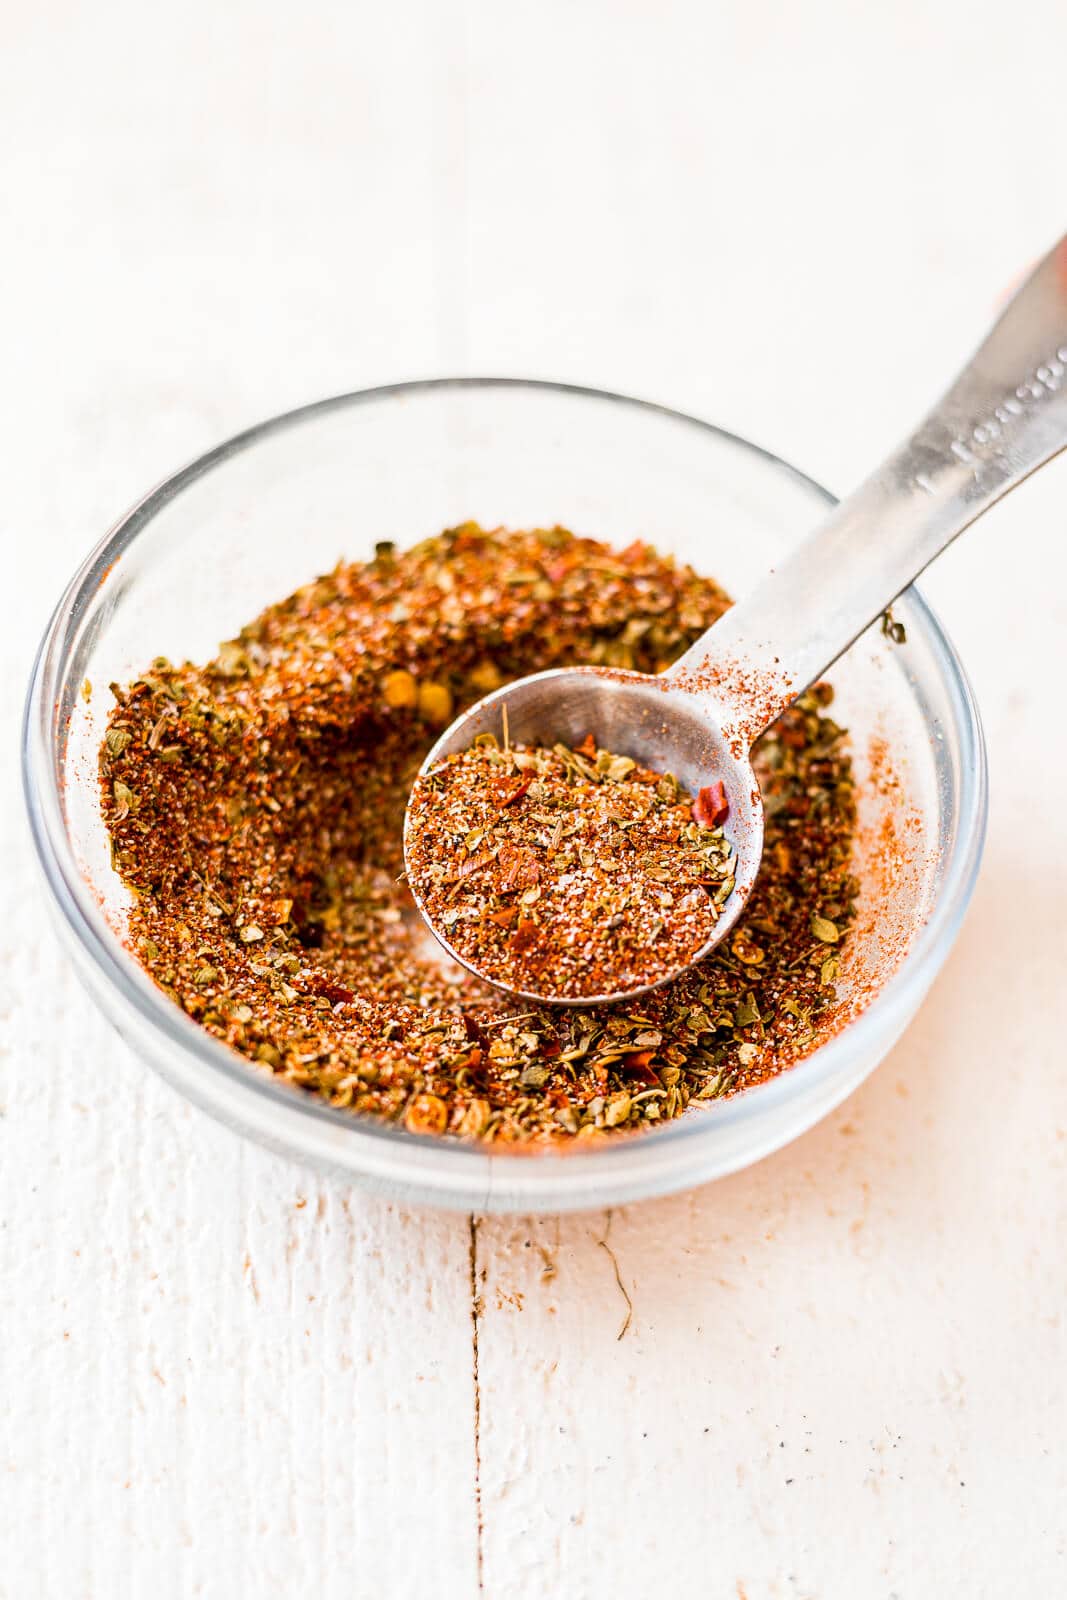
{"points": [[457, 1170]]}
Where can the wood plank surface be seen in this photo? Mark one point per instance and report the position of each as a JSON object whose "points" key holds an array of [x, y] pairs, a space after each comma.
{"points": [[839, 1374]]}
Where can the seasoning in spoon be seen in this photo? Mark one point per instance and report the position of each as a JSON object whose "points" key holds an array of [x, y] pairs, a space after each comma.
{"points": [[566, 873]]}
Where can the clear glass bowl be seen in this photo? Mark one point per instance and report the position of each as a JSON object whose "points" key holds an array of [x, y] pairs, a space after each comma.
{"points": [[265, 512]]}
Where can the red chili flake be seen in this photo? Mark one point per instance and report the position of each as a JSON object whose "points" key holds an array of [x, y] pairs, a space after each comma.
{"points": [[525, 934], [335, 993], [474, 864], [473, 1029], [711, 807], [637, 1062], [505, 791], [519, 869], [587, 747], [633, 553]]}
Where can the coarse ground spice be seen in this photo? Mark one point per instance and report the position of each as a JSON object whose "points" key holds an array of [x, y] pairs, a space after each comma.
{"points": [[565, 873], [255, 808]]}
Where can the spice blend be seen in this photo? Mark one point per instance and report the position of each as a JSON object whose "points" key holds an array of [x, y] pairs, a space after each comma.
{"points": [[565, 873], [255, 807]]}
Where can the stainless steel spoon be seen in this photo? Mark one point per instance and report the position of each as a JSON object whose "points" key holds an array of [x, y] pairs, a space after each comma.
{"points": [[1005, 416]]}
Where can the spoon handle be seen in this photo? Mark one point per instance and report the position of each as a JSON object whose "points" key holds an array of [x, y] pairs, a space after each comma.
{"points": [[1005, 415]]}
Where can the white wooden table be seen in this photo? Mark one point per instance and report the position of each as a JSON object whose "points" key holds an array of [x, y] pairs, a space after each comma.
{"points": [[843, 1375]]}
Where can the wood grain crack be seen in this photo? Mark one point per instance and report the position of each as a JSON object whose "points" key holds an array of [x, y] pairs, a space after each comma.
{"points": [[476, 1311], [605, 1246]]}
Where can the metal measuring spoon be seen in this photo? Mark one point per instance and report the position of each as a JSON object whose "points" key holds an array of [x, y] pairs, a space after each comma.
{"points": [[1005, 415]]}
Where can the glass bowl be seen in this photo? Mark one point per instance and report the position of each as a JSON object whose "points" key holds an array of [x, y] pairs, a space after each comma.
{"points": [[265, 512]]}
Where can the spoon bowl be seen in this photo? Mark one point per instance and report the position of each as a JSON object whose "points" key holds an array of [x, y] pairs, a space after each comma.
{"points": [[656, 723]]}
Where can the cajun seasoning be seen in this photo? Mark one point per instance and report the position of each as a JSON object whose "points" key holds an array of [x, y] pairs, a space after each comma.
{"points": [[565, 873], [255, 806]]}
